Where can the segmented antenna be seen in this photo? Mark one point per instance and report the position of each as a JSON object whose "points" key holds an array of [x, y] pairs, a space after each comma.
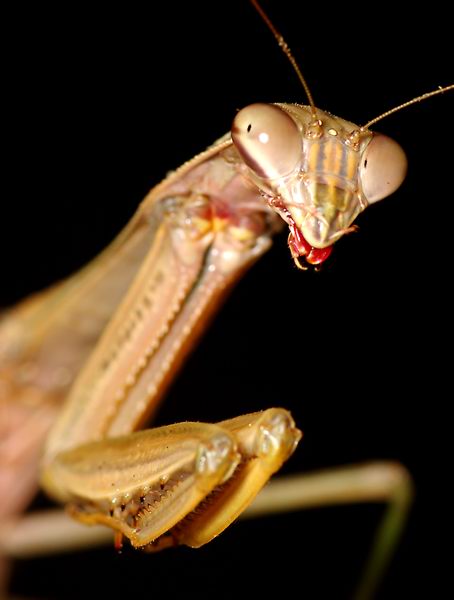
{"points": [[354, 135], [440, 90], [285, 48]]}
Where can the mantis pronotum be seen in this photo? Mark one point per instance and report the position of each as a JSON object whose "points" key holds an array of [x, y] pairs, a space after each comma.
{"points": [[321, 289]]}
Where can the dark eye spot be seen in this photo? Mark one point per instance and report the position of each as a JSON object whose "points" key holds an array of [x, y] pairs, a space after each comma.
{"points": [[365, 163], [249, 127]]}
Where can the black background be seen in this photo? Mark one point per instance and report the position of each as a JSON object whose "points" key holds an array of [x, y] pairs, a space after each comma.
{"points": [[100, 103]]}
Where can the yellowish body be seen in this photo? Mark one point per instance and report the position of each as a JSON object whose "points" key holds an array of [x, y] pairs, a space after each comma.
{"points": [[112, 337]]}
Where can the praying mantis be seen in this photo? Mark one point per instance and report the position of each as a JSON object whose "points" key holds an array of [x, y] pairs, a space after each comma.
{"points": [[262, 313]]}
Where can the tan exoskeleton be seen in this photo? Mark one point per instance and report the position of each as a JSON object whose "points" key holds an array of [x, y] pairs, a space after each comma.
{"points": [[190, 240]]}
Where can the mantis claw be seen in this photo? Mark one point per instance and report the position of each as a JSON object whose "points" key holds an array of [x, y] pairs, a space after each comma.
{"points": [[192, 480]]}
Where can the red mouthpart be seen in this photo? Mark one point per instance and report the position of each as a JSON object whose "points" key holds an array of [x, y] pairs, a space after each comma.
{"points": [[300, 247]]}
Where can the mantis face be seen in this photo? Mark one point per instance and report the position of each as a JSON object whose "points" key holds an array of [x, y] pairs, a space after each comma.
{"points": [[318, 174]]}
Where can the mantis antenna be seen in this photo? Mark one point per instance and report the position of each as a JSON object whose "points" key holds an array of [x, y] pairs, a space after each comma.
{"points": [[440, 90], [285, 48]]}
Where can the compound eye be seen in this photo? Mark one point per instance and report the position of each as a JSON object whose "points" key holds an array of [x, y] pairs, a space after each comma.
{"points": [[383, 168], [267, 139]]}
